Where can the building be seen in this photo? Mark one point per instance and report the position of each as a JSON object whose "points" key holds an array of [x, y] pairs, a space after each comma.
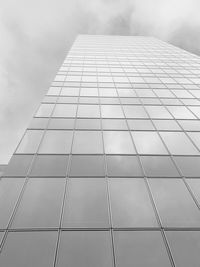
{"points": [[107, 173]]}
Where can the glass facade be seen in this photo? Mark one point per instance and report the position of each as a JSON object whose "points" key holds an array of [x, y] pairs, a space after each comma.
{"points": [[108, 172]]}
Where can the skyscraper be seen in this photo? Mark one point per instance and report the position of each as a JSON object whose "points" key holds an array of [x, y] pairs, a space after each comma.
{"points": [[107, 173]]}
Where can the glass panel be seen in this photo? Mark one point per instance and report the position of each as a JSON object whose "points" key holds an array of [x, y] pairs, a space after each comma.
{"points": [[87, 166], [10, 189], [29, 249], [158, 112], [178, 143], [195, 186], [49, 165], [87, 142], [134, 112], [116, 124], [91, 111], [39, 123], [189, 125], [159, 166], [130, 203], [117, 142], [189, 166], [56, 142], [185, 247], [45, 110], [118, 166], [166, 125], [70, 91], [88, 124], [61, 124], [140, 125], [30, 141], [195, 138], [64, 110], [196, 111], [180, 112], [40, 205], [140, 248], [86, 203], [18, 165], [111, 111], [148, 143], [175, 205], [85, 248]]}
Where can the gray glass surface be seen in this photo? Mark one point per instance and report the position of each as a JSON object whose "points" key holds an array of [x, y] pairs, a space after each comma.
{"points": [[56, 142], [158, 112], [118, 166], [87, 142], [41, 203], [86, 203], [10, 189], [185, 247], [178, 143], [111, 111], [190, 125], [159, 166], [130, 203], [140, 248], [180, 112], [163, 125], [49, 165], [189, 166], [29, 249], [91, 111], [140, 125], [118, 142], [61, 123], [134, 112], [85, 248], [39, 123], [64, 110], [87, 166], [174, 203], [114, 124], [88, 124], [195, 136], [194, 184], [18, 165], [148, 143], [45, 110]]}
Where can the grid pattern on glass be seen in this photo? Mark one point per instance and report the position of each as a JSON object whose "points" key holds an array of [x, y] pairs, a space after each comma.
{"points": [[108, 171]]}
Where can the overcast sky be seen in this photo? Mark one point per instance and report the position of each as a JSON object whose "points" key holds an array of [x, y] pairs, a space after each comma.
{"points": [[36, 34]]}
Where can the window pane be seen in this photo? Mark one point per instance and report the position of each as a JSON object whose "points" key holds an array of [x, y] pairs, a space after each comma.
{"points": [[189, 166], [185, 247], [169, 125], [158, 112], [134, 112], [88, 124], [115, 124], [119, 166], [159, 166], [87, 142], [45, 110], [195, 138], [196, 111], [91, 111], [40, 205], [148, 143], [195, 186], [140, 125], [180, 112], [117, 142], [190, 125], [178, 143], [61, 124], [56, 142], [175, 205], [64, 110], [85, 248], [130, 203], [111, 111], [10, 189], [18, 165], [140, 248], [30, 249], [49, 165], [30, 141], [38, 123], [87, 166], [86, 203]]}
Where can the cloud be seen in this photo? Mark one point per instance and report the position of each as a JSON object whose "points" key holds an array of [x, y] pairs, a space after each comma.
{"points": [[36, 34]]}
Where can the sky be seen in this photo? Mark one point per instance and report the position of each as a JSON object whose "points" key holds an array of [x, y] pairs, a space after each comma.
{"points": [[36, 35]]}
